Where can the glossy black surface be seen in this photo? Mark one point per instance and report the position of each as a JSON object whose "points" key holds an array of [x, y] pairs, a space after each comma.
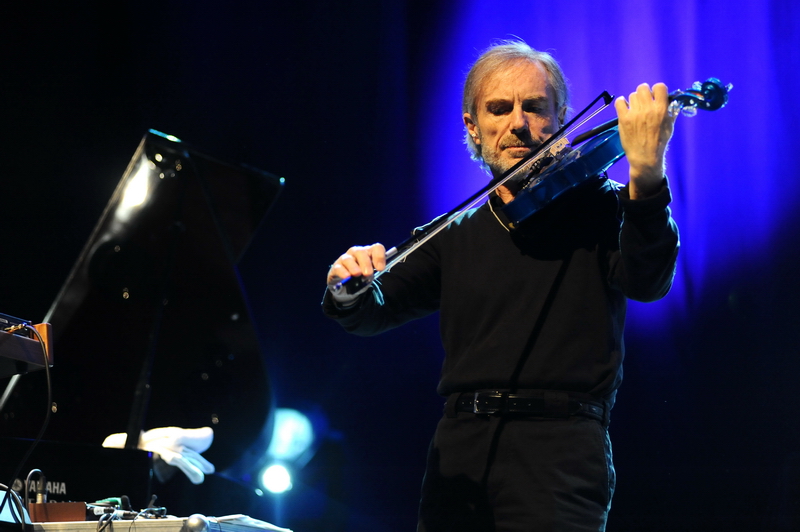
{"points": [[157, 282]]}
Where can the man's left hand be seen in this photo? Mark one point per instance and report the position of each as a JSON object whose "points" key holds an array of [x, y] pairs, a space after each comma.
{"points": [[645, 128]]}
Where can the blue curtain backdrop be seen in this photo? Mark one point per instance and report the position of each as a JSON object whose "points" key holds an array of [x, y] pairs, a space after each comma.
{"points": [[734, 182]]}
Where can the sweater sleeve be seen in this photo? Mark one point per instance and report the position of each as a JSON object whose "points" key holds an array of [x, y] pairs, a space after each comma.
{"points": [[644, 266], [411, 290]]}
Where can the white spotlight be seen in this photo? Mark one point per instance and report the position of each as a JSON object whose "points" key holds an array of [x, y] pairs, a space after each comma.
{"points": [[276, 479]]}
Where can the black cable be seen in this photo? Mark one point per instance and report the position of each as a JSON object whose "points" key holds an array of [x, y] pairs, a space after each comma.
{"points": [[44, 424], [105, 521], [138, 515], [17, 503]]}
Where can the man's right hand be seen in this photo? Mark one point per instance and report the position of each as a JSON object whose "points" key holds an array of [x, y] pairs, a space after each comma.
{"points": [[358, 261]]}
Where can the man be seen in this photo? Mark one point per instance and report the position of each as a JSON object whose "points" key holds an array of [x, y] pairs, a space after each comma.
{"points": [[531, 318]]}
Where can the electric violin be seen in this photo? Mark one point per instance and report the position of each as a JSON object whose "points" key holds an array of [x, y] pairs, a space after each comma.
{"points": [[555, 168]]}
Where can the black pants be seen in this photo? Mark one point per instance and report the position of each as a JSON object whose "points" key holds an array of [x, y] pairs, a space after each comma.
{"points": [[509, 474]]}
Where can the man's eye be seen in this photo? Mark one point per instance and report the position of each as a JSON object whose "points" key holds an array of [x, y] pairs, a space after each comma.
{"points": [[537, 106], [498, 109]]}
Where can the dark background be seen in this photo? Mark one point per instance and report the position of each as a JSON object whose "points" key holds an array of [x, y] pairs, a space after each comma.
{"points": [[327, 95]]}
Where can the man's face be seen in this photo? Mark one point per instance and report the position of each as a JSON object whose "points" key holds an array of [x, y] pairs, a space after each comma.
{"points": [[515, 113]]}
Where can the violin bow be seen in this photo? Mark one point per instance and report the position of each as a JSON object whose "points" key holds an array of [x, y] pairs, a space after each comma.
{"points": [[411, 244]]}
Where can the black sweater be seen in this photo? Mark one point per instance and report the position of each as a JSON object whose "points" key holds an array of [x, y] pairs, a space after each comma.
{"points": [[538, 307]]}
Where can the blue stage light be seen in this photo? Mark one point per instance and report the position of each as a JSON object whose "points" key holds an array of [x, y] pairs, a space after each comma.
{"points": [[292, 435]]}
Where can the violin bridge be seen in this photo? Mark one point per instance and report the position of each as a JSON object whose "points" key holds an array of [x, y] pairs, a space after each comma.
{"points": [[552, 155]]}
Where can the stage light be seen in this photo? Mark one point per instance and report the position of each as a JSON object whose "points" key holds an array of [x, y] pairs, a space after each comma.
{"points": [[276, 479], [290, 446], [292, 436]]}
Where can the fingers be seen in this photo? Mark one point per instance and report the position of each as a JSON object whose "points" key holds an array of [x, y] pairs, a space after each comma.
{"points": [[660, 93], [646, 109], [643, 98], [357, 262], [621, 105]]}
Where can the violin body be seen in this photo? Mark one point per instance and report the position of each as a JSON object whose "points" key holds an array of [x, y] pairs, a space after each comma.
{"points": [[585, 164]]}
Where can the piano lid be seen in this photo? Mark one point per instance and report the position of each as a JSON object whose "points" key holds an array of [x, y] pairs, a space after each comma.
{"points": [[156, 293]]}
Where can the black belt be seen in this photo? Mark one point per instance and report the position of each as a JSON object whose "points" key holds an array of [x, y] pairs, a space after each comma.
{"points": [[544, 404]]}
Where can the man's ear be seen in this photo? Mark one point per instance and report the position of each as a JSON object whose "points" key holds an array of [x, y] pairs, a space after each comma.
{"points": [[562, 114], [472, 128]]}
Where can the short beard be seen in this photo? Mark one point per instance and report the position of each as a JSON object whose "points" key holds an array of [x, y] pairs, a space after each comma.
{"points": [[499, 165]]}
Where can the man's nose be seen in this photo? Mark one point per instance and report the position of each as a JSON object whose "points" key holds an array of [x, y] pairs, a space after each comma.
{"points": [[519, 122]]}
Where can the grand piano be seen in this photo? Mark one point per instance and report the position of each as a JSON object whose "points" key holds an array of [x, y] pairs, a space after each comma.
{"points": [[152, 326]]}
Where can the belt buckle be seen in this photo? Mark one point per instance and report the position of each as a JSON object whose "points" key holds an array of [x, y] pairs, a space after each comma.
{"points": [[475, 403], [485, 410]]}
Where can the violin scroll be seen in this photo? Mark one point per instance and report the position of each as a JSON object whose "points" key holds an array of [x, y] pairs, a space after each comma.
{"points": [[709, 95]]}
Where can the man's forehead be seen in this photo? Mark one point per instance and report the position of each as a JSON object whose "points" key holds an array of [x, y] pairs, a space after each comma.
{"points": [[530, 79]]}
